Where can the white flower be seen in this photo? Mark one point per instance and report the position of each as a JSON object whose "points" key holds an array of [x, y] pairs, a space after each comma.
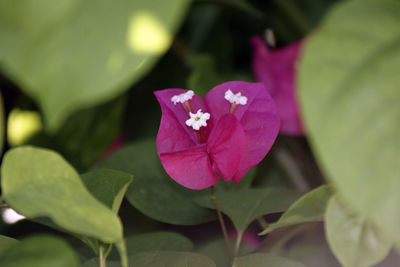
{"points": [[182, 98], [197, 120], [235, 98]]}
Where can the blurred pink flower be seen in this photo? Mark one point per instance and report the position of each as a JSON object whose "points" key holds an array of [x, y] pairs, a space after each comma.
{"points": [[277, 70], [226, 134]]}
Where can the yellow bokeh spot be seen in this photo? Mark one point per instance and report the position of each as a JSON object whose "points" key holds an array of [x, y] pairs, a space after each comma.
{"points": [[146, 34], [21, 125]]}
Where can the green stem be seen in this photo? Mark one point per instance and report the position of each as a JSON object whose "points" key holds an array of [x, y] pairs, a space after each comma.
{"points": [[238, 241], [102, 259], [290, 166], [222, 223]]}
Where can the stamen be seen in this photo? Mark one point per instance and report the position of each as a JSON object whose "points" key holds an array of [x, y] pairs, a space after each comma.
{"points": [[182, 98], [198, 120], [235, 100]]}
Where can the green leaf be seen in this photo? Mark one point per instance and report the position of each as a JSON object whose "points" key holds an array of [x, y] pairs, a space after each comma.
{"points": [[354, 241], [156, 241], [263, 259], [160, 241], [86, 134], [245, 182], [39, 251], [108, 186], [309, 208], [349, 89], [94, 262], [5, 242], [38, 182], [217, 251], [152, 191], [204, 75], [244, 206], [161, 259], [2, 124], [170, 259], [93, 50]]}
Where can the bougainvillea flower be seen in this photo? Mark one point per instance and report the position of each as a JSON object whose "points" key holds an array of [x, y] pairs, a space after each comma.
{"points": [[225, 134], [276, 69]]}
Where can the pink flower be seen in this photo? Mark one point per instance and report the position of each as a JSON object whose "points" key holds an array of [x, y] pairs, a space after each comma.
{"points": [[276, 69], [227, 133]]}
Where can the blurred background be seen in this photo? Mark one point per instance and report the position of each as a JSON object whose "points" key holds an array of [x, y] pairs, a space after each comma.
{"points": [[78, 77]]}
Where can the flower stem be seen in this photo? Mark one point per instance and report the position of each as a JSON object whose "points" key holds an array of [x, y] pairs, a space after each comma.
{"points": [[102, 259], [222, 223], [238, 241]]}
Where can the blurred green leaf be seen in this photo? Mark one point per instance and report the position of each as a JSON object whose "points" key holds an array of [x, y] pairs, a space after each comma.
{"points": [[5, 242], [85, 135], [170, 259], [39, 251], [72, 54], [95, 263], [38, 182], [108, 186], [349, 89], [244, 206], [263, 259], [156, 241], [217, 251], [2, 124], [309, 208], [152, 191], [354, 241], [204, 75]]}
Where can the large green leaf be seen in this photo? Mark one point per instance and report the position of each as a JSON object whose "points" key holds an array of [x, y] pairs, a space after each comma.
{"points": [[244, 206], [70, 54], [349, 90], [354, 241], [152, 191], [170, 259], [263, 259], [309, 208], [39, 251], [5, 242], [108, 186], [38, 182]]}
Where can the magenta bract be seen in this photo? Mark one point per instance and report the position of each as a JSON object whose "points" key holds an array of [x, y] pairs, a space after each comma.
{"points": [[277, 69], [236, 137]]}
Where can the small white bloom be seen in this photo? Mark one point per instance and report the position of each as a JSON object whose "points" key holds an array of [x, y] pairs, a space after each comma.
{"points": [[197, 120], [235, 98], [10, 216], [182, 98]]}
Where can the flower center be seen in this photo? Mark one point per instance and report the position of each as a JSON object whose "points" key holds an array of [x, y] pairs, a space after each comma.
{"points": [[198, 120], [235, 100]]}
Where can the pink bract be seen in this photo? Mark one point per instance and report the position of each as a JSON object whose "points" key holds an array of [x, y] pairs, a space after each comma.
{"points": [[276, 69], [232, 143]]}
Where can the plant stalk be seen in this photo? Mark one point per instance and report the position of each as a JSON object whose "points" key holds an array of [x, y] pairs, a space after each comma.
{"points": [[222, 223], [102, 259]]}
